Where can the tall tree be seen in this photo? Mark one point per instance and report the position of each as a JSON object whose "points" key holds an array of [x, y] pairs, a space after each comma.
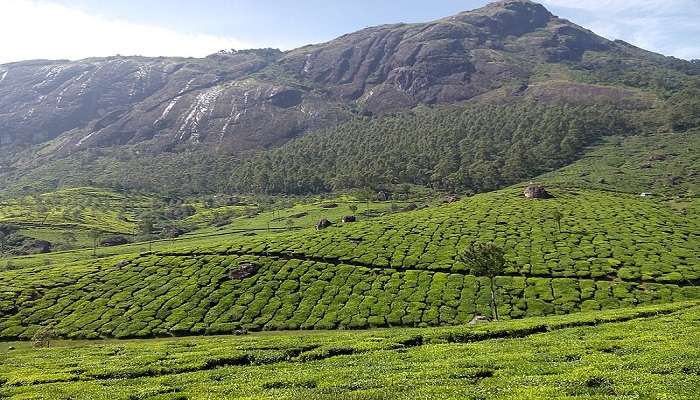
{"points": [[485, 259]]}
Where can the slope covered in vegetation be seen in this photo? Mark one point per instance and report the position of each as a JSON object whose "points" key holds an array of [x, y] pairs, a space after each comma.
{"points": [[643, 352], [613, 250], [661, 164]]}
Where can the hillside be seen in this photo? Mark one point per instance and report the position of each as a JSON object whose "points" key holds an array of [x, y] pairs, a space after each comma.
{"points": [[660, 164], [66, 124], [613, 250], [643, 352], [298, 224]]}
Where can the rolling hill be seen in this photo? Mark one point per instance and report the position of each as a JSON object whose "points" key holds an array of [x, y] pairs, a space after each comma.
{"points": [[613, 250], [299, 219]]}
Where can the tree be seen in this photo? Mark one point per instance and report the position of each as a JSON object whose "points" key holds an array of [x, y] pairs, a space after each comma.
{"points": [[557, 218], [43, 337], [146, 225], [95, 235], [485, 259], [3, 240]]}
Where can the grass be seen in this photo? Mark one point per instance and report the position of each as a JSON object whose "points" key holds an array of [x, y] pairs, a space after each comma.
{"points": [[647, 352], [77, 209], [663, 164]]}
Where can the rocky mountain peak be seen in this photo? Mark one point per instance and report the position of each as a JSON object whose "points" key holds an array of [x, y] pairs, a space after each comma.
{"points": [[508, 17], [252, 99]]}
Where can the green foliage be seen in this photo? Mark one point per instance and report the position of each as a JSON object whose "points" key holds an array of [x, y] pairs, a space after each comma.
{"points": [[642, 352], [484, 259], [662, 164], [473, 147], [476, 147]]}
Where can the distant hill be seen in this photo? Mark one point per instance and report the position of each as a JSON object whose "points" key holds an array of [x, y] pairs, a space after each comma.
{"points": [[73, 119]]}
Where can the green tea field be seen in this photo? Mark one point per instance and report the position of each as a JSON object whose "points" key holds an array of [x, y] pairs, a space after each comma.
{"points": [[646, 352], [664, 164], [609, 250]]}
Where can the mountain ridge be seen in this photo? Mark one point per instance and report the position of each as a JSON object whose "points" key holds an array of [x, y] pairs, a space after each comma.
{"points": [[251, 100]]}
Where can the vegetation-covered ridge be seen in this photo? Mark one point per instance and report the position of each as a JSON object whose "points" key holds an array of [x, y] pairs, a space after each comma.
{"points": [[662, 164], [608, 250], [470, 147], [631, 352], [599, 234], [477, 147], [233, 118]]}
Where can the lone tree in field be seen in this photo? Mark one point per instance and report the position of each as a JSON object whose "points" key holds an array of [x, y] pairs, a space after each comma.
{"points": [[43, 337], [485, 259], [95, 235], [557, 218]]}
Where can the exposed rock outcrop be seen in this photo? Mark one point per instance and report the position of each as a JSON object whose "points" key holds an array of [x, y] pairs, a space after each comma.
{"points": [[536, 192]]}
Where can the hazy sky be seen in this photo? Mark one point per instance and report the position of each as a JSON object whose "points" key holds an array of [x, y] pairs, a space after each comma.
{"points": [[75, 29]]}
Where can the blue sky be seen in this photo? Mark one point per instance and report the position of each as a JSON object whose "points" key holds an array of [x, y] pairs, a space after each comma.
{"points": [[81, 28]]}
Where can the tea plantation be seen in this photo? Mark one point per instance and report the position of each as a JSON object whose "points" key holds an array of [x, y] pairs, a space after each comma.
{"points": [[613, 250], [663, 164], [645, 352], [601, 235], [76, 208]]}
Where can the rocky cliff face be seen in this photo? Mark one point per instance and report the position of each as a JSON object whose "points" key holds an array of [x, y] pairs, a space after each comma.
{"points": [[397, 66], [162, 102], [260, 98]]}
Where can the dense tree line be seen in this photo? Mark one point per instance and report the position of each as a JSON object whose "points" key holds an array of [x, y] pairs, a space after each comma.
{"points": [[458, 148], [477, 148]]}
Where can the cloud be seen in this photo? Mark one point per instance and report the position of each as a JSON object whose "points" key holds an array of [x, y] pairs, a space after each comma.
{"points": [[616, 6], [31, 29], [665, 26]]}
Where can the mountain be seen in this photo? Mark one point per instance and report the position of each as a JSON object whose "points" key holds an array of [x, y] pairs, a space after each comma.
{"points": [[232, 102]]}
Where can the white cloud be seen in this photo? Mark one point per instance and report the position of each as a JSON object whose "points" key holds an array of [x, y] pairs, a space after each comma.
{"points": [[31, 29], [665, 26], [616, 6]]}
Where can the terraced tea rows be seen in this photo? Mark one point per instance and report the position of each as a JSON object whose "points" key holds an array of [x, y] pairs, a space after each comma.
{"points": [[399, 270], [601, 235], [186, 295], [646, 352]]}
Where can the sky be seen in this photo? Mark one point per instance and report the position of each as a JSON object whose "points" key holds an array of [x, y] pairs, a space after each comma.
{"points": [[74, 29]]}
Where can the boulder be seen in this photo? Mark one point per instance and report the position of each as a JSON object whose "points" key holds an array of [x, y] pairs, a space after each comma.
{"points": [[114, 241], [349, 218], [243, 271], [383, 196], [37, 247], [536, 192], [323, 224], [479, 319]]}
